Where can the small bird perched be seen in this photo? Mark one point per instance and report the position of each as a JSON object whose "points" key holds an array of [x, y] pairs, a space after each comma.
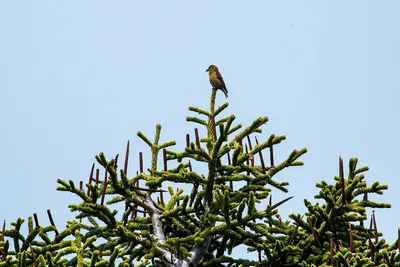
{"points": [[216, 79]]}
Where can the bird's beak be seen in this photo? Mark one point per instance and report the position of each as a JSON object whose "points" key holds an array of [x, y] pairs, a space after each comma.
{"points": [[207, 69]]}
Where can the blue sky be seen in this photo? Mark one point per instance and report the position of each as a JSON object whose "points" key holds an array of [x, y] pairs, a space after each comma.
{"points": [[81, 78]]}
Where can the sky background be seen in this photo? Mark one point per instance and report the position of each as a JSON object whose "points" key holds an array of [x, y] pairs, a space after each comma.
{"points": [[79, 78]]}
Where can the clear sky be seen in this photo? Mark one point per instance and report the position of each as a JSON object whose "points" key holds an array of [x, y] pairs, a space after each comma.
{"points": [[83, 77]]}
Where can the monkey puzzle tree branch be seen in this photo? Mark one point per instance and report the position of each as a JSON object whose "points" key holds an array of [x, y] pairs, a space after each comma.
{"points": [[254, 127], [198, 155], [199, 110], [196, 120], [221, 108], [187, 177], [155, 147]]}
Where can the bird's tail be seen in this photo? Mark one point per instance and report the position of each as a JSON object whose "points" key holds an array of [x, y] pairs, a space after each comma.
{"points": [[225, 92]]}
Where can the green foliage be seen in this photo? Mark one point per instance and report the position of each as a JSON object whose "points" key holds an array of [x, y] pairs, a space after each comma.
{"points": [[224, 209]]}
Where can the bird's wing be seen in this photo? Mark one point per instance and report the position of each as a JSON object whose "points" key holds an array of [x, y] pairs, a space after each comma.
{"points": [[219, 76]]}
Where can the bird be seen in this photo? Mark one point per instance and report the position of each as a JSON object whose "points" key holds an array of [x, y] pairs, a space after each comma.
{"points": [[216, 79]]}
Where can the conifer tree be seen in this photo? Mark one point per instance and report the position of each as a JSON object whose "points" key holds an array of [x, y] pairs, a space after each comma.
{"points": [[227, 207]]}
